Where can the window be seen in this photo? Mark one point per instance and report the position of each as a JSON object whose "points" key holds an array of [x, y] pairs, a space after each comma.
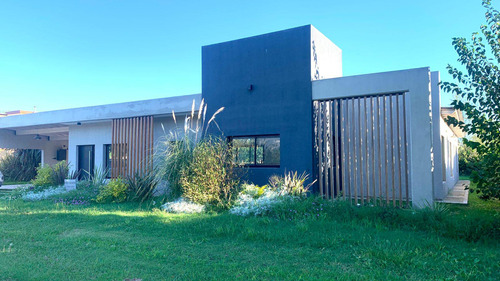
{"points": [[107, 158], [263, 151]]}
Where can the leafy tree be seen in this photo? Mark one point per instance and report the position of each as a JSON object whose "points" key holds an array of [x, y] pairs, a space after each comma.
{"points": [[477, 95]]}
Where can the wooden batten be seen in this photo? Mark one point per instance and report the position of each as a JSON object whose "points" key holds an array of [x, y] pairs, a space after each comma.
{"points": [[361, 149], [132, 146]]}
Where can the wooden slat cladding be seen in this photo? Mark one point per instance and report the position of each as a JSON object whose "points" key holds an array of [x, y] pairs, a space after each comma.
{"points": [[132, 146], [361, 149]]}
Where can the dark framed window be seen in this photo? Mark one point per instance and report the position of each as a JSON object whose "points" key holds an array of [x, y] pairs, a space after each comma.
{"points": [[107, 159], [256, 151]]}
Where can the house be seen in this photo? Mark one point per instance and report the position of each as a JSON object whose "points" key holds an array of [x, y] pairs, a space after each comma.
{"points": [[287, 108]]}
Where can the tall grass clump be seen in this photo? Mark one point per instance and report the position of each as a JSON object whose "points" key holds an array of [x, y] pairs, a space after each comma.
{"points": [[21, 164], [141, 186], [291, 183], [195, 165], [98, 177]]}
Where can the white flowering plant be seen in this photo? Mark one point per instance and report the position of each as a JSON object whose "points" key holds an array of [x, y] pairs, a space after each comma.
{"points": [[44, 194], [256, 200], [183, 206]]}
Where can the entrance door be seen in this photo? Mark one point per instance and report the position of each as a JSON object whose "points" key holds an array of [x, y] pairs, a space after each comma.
{"points": [[86, 158]]}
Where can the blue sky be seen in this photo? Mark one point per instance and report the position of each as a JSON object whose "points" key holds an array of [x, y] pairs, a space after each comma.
{"points": [[63, 54]]}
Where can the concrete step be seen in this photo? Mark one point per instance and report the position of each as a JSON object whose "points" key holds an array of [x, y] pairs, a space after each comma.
{"points": [[458, 194]]}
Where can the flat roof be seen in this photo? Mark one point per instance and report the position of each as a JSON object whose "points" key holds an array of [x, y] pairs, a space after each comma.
{"points": [[155, 107]]}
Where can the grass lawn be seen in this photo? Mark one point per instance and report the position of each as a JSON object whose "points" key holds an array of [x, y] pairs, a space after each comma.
{"points": [[47, 241], [14, 182]]}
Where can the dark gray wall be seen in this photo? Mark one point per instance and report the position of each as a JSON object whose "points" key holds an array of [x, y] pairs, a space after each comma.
{"points": [[278, 65]]}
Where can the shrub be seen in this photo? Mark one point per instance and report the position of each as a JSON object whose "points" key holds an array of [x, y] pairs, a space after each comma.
{"points": [[114, 191], [73, 175], [253, 190], [250, 203], [43, 177], [198, 167], [21, 164], [51, 175], [142, 186], [261, 200], [487, 177], [468, 160], [99, 176], [290, 184], [210, 178], [60, 172]]}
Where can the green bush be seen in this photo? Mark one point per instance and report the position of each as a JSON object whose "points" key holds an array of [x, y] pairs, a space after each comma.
{"points": [[468, 160], [43, 177], [114, 191], [51, 175], [291, 184], [142, 186], [196, 165], [20, 165], [210, 177], [487, 177]]}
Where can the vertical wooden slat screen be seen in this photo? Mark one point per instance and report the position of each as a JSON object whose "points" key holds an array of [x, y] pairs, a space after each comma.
{"points": [[361, 149], [132, 146]]}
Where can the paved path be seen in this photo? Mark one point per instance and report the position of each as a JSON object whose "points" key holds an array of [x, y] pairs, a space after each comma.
{"points": [[458, 194]]}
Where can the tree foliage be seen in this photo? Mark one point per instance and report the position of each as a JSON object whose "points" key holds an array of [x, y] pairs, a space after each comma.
{"points": [[477, 95]]}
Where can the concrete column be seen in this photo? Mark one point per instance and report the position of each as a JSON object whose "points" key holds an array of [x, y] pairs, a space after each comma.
{"points": [[421, 139]]}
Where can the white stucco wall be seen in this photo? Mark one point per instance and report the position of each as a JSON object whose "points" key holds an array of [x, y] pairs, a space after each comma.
{"points": [[450, 158], [439, 190], [97, 134], [49, 148], [162, 127], [326, 57], [417, 84]]}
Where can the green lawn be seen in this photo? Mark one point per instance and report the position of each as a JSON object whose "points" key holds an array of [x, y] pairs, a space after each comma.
{"points": [[47, 241], [14, 182]]}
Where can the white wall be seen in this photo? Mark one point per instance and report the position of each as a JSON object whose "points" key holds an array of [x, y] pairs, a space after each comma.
{"points": [[49, 148], [417, 84], [439, 190], [162, 126], [450, 158], [97, 134], [326, 57]]}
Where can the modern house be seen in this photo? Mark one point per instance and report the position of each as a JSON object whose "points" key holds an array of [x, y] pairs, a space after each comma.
{"points": [[287, 108]]}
